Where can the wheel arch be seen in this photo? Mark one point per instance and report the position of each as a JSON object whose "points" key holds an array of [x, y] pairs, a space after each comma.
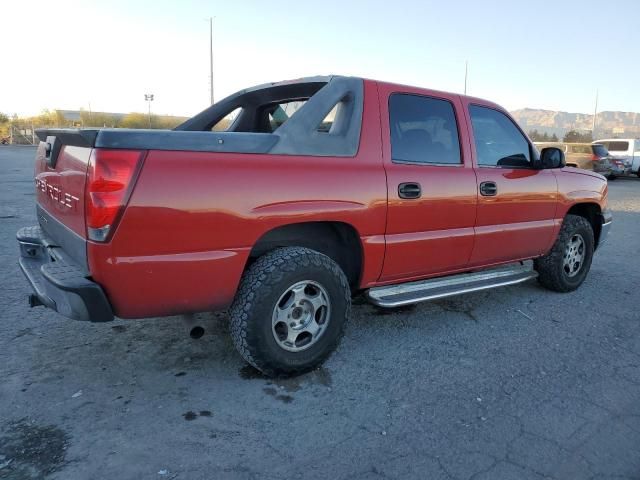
{"points": [[591, 211], [339, 241]]}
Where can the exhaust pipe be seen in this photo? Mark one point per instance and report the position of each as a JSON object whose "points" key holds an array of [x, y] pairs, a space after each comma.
{"points": [[195, 330]]}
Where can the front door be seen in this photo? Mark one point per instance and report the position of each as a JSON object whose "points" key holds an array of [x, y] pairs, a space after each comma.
{"points": [[516, 202], [431, 184]]}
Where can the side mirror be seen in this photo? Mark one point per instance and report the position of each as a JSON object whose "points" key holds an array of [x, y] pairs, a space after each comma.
{"points": [[552, 157]]}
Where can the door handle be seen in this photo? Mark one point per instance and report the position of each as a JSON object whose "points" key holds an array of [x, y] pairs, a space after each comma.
{"points": [[488, 189], [409, 190]]}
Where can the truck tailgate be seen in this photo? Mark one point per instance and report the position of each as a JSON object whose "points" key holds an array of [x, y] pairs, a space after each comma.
{"points": [[60, 178]]}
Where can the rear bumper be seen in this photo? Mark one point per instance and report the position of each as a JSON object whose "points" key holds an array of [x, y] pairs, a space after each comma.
{"points": [[603, 169], [619, 170], [57, 281], [606, 217]]}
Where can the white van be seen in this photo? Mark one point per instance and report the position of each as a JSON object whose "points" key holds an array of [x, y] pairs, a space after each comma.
{"points": [[626, 149]]}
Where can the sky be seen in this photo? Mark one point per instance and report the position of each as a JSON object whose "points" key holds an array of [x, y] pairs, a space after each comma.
{"points": [[105, 55]]}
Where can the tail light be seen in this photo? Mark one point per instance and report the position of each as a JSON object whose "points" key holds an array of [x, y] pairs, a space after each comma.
{"points": [[110, 178], [594, 158]]}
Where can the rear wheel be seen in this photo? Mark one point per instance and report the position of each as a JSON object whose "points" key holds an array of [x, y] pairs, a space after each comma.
{"points": [[290, 310], [611, 177], [566, 266]]}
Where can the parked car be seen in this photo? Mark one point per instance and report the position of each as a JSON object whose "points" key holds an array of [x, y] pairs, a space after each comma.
{"points": [[625, 149], [318, 189], [587, 156]]}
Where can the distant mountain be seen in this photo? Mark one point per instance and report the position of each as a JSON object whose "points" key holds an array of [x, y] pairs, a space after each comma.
{"points": [[619, 124]]}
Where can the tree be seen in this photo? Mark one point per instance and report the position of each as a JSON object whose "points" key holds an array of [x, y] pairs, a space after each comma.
{"points": [[60, 119], [573, 136], [141, 120], [4, 125], [536, 136], [98, 119], [136, 120], [166, 122]]}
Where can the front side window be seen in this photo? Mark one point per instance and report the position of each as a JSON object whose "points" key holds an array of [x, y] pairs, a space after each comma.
{"points": [[499, 143], [423, 130]]}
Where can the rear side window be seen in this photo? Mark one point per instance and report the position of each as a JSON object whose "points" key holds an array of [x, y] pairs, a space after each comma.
{"points": [[423, 130], [498, 141], [617, 146], [581, 149]]}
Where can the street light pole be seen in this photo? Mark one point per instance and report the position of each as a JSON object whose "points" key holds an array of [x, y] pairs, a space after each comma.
{"points": [[466, 68], [595, 114], [149, 98], [211, 56]]}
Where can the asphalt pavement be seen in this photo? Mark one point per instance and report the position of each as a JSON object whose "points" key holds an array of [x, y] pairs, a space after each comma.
{"points": [[512, 383]]}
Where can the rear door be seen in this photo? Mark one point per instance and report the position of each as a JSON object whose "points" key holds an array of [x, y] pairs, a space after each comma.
{"points": [[431, 185], [516, 202]]}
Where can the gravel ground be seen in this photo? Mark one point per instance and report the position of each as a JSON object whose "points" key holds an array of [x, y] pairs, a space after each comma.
{"points": [[515, 383]]}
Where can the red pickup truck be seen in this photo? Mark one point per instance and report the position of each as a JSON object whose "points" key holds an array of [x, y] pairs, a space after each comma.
{"points": [[282, 201]]}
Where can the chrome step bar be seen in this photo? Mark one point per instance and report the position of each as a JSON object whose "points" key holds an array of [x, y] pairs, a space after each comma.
{"points": [[434, 288]]}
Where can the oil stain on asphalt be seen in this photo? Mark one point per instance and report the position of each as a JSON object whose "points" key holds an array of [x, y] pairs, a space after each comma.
{"points": [[31, 451], [274, 393], [274, 386], [190, 415]]}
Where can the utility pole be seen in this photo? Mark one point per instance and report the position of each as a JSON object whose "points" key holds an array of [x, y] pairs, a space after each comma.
{"points": [[466, 69], [595, 113], [211, 56], [149, 98]]}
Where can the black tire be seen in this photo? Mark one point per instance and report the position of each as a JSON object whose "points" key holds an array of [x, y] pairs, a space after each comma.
{"points": [[611, 177], [263, 285], [551, 268]]}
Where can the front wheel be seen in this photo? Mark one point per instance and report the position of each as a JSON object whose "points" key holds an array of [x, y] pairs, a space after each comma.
{"points": [[290, 311], [566, 266]]}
